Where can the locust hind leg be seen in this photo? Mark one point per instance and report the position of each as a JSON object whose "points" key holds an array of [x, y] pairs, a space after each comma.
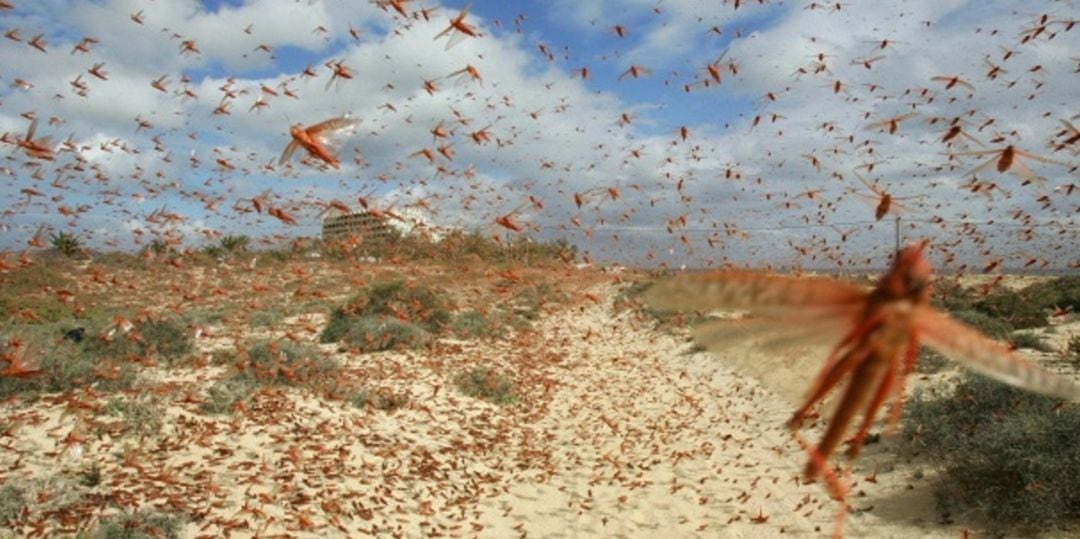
{"points": [[836, 488]]}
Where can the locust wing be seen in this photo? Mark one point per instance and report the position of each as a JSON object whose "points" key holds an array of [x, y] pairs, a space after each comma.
{"points": [[754, 292], [289, 150], [783, 321], [972, 349]]}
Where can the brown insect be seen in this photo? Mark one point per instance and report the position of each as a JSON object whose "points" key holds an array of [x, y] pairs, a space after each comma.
{"points": [[34, 148], [892, 124], [38, 42], [15, 355], [635, 71], [878, 349], [884, 203], [1007, 159], [458, 29], [339, 72], [952, 82], [314, 139]]}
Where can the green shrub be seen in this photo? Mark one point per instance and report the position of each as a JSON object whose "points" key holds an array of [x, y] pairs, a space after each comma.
{"points": [[66, 366], [143, 416], [161, 247], [12, 501], [375, 334], [267, 362], [165, 338], [1060, 292], [1030, 341], [225, 393], [1018, 309], [930, 361], [477, 325], [528, 302], [266, 318], [90, 476], [421, 305], [950, 296], [486, 384], [287, 363], [278, 255], [1074, 348], [139, 525], [1009, 455], [376, 319], [119, 260], [988, 325], [232, 243], [213, 251], [205, 316], [380, 399], [23, 292]]}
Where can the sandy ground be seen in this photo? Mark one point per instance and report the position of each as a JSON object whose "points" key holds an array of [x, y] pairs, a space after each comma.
{"points": [[620, 430]]}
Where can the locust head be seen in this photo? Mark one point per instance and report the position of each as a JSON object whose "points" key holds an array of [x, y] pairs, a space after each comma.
{"points": [[910, 275]]}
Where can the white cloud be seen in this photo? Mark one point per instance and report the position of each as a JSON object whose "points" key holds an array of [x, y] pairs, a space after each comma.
{"points": [[552, 134]]}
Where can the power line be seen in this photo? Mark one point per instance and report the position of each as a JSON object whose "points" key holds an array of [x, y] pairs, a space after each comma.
{"points": [[801, 226]]}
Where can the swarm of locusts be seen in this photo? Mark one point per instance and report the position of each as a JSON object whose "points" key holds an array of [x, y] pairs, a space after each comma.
{"points": [[881, 333]]}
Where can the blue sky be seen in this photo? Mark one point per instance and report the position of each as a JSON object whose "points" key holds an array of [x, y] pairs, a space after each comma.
{"points": [[767, 174]]}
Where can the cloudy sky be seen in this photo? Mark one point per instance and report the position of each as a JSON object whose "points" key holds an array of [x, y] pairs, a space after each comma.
{"points": [[646, 131]]}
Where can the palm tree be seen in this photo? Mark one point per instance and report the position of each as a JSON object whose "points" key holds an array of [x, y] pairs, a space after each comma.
{"points": [[232, 244], [67, 243], [160, 247]]}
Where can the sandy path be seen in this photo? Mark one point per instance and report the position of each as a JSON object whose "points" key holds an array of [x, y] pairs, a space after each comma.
{"points": [[651, 439]]}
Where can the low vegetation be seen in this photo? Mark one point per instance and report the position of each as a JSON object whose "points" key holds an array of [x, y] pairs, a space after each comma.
{"points": [[487, 384], [987, 324], [1057, 293], [266, 318], [12, 502], [1030, 341], [141, 416], [65, 366], [165, 338], [382, 399], [139, 525], [629, 299], [1029, 307], [474, 324], [25, 298], [1001, 312], [227, 393], [1009, 456], [388, 315], [269, 363]]}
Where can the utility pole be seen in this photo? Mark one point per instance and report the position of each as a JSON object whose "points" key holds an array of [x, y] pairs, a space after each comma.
{"points": [[897, 235]]}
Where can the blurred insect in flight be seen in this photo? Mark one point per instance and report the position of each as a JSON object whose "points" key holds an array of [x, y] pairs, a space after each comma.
{"points": [[884, 203], [881, 333], [35, 148], [315, 139], [458, 29], [1008, 159]]}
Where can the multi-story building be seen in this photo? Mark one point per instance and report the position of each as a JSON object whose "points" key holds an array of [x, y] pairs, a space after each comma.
{"points": [[340, 226]]}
